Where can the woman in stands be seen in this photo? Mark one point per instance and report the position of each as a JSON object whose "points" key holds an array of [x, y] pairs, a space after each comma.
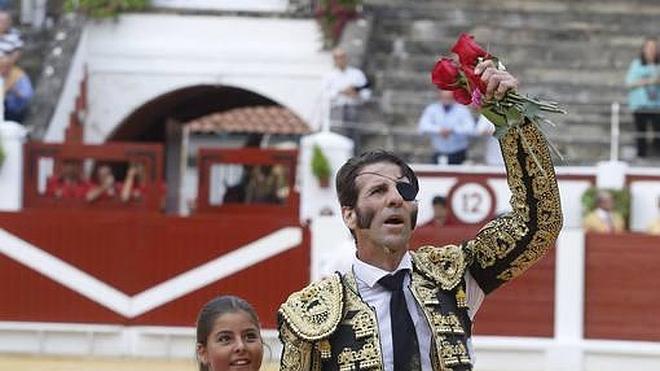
{"points": [[229, 336], [643, 83], [104, 185]]}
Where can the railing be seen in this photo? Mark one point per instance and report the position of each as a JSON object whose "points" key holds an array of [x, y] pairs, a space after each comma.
{"points": [[617, 117], [65, 176]]}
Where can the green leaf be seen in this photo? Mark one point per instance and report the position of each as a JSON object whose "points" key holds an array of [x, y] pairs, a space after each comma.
{"points": [[531, 109], [500, 131], [497, 119], [513, 116]]}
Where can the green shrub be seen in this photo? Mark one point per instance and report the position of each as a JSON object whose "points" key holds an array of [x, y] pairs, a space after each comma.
{"points": [[105, 8], [320, 164], [2, 154]]}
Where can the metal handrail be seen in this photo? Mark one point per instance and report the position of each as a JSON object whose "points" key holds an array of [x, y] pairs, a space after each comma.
{"points": [[616, 110]]}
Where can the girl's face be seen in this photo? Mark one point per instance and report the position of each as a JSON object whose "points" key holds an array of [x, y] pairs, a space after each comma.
{"points": [[234, 343], [650, 50]]}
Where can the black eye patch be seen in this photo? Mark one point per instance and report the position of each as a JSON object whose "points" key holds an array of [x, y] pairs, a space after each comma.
{"points": [[407, 191]]}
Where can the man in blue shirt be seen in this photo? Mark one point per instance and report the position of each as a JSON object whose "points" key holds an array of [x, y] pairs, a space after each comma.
{"points": [[18, 89], [448, 124]]}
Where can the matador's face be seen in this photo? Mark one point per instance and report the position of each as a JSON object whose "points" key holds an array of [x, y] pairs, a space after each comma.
{"points": [[381, 218]]}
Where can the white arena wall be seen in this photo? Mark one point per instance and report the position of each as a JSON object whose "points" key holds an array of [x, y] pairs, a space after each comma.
{"points": [[139, 57]]}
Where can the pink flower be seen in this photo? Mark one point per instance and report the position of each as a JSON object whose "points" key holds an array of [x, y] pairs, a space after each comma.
{"points": [[476, 98]]}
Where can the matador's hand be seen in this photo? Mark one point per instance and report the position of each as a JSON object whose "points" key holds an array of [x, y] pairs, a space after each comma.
{"points": [[498, 82]]}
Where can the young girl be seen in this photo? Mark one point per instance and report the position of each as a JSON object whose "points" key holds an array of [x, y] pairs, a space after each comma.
{"points": [[228, 336]]}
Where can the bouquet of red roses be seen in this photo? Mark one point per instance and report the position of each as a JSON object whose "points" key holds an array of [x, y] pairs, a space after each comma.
{"points": [[459, 77]]}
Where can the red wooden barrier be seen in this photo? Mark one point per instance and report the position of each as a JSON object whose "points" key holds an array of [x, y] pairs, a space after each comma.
{"points": [[148, 155], [621, 287], [133, 252]]}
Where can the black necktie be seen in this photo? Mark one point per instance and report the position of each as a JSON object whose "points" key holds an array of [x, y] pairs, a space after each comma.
{"points": [[404, 338]]}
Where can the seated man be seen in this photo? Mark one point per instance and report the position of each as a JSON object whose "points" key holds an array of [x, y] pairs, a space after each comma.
{"points": [[604, 219]]}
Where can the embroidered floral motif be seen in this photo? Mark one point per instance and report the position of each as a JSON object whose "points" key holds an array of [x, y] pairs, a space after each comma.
{"points": [[446, 264], [314, 312]]}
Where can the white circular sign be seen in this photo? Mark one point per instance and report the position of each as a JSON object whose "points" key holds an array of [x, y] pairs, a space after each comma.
{"points": [[471, 203]]}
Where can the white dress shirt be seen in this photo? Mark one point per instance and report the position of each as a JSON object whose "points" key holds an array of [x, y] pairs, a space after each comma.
{"points": [[340, 80], [378, 298]]}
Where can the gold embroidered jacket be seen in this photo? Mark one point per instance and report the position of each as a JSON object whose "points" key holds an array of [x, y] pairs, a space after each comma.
{"points": [[326, 326]]}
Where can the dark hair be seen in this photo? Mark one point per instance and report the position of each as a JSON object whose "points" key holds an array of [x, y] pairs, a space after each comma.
{"points": [[214, 309], [347, 191], [439, 200], [656, 59]]}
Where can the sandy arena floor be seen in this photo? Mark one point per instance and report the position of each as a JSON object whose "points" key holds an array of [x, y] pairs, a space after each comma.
{"points": [[30, 363]]}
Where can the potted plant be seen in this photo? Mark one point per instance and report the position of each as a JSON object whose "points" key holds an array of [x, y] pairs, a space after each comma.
{"points": [[2, 154], [320, 167], [332, 16]]}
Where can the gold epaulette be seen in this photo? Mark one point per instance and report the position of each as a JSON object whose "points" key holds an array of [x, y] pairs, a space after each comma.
{"points": [[445, 265], [314, 312]]}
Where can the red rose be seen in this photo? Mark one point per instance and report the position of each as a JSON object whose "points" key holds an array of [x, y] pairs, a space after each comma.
{"points": [[445, 74], [474, 79], [463, 96], [468, 50]]}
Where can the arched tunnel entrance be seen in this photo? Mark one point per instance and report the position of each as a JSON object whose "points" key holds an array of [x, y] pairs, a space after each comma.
{"points": [[163, 118]]}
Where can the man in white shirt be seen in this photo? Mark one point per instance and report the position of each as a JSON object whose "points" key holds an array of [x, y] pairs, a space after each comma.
{"points": [[347, 88], [413, 310]]}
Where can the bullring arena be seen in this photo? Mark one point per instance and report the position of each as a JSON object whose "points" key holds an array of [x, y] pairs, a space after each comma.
{"points": [[214, 114]]}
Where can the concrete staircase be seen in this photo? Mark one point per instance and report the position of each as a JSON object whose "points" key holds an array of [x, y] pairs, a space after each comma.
{"points": [[573, 52]]}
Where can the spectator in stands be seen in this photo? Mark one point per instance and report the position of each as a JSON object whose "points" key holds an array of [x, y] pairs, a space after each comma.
{"points": [[654, 227], [229, 335], [267, 184], [449, 124], [133, 187], [17, 89], [439, 212], [11, 42], [68, 184], [348, 88], [604, 219], [643, 83], [104, 186], [492, 152]]}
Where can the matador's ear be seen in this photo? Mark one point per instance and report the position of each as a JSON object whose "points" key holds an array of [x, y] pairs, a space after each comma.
{"points": [[349, 216]]}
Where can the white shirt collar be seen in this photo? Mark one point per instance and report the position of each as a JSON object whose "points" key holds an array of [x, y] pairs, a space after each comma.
{"points": [[370, 275]]}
